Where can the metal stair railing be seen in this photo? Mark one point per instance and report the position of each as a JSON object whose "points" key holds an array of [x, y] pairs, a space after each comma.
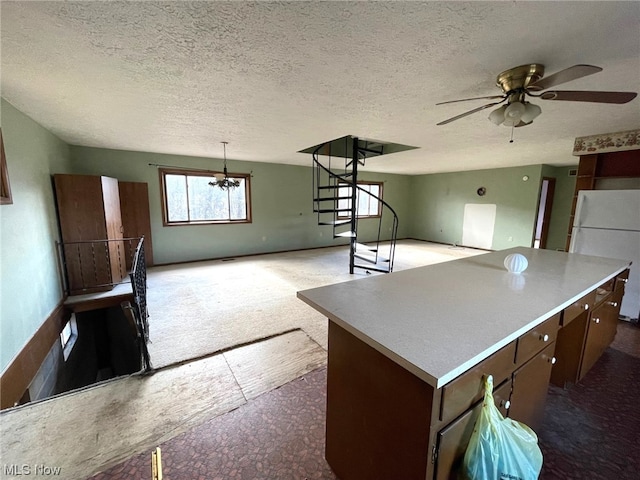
{"points": [[324, 205]]}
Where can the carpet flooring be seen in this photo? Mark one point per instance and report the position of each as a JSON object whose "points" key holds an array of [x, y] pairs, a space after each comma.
{"points": [[590, 431], [222, 332]]}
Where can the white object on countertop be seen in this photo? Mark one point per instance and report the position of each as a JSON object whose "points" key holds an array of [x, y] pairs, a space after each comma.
{"points": [[516, 263]]}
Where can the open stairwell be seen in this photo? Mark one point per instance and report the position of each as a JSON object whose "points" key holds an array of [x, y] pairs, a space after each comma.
{"points": [[337, 196]]}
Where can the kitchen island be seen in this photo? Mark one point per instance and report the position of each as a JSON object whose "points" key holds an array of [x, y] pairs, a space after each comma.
{"points": [[408, 350]]}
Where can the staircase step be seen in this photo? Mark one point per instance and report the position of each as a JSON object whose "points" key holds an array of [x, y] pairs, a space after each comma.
{"points": [[334, 222], [366, 248], [331, 210], [347, 234], [375, 269], [370, 258], [326, 199]]}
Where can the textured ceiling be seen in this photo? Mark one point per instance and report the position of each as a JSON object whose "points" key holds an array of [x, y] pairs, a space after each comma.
{"points": [[274, 78]]}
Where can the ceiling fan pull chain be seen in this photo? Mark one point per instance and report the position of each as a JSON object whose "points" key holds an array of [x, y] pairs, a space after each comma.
{"points": [[511, 141]]}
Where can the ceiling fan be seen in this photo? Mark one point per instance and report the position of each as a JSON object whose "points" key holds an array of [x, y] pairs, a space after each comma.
{"points": [[527, 80]]}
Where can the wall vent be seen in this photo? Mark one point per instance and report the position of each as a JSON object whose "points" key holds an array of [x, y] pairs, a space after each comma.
{"points": [[573, 172]]}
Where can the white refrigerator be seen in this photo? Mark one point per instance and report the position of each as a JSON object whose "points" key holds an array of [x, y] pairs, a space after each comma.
{"points": [[607, 224]]}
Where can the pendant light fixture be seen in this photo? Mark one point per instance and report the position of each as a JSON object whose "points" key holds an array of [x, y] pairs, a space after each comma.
{"points": [[222, 180]]}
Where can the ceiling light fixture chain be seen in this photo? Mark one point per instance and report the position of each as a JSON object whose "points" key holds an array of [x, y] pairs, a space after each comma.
{"points": [[222, 180]]}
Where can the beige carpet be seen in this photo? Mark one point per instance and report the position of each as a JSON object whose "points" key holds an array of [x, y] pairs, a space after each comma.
{"points": [[196, 310], [200, 308]]}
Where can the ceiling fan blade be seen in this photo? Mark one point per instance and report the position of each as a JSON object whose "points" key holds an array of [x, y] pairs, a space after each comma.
{"points": [[563, 76], [449, 120], [475, 98], [589, 96]]}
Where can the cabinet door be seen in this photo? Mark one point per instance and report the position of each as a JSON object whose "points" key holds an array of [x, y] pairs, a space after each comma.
{"points": [[113, 220], [454, 439], [603, 324], [569, 344], [81, 217], [136, 219], [529, 391]]}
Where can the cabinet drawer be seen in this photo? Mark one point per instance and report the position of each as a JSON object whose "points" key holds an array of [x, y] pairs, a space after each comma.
{"points": [[453, 440], [536, 339], [572, 311], [467, 389]]}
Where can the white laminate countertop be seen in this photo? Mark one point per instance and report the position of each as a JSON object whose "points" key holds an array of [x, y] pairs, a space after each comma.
{"points": [[440, 320]]}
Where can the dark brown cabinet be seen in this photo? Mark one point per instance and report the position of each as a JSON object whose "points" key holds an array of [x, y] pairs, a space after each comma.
{"points": [[393, 416], [521, 370], [583, 338], [92, 231], [136, 219], [454, 439], [601, 330], [529, 388]]}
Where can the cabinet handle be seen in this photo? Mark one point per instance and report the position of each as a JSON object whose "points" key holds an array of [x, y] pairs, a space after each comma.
{"points": [[596, 320], [613, 304], [544, 338], [624, 280], [505, 404], [586, 306], [552, 360]]}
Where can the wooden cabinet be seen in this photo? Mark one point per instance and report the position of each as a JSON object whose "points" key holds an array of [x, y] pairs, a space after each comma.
{"points": [[584, 338], [92, 232], [454, 439], [601, 330], [529, 388], [521, 370], [136, 219], [381, 419]]}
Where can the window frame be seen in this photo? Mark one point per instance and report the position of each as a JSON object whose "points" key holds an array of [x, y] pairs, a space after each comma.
{"points": [[360, 183], [162, 172], [68, 336], [5, 187]]}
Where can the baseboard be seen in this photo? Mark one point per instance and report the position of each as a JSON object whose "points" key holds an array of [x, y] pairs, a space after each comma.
{"points": [[18, 375]]}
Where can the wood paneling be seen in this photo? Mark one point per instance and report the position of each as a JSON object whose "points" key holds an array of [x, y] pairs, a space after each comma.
{"points": [[20, 372]]}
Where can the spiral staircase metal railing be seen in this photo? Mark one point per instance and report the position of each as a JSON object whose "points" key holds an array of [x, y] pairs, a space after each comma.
{"points": [[336, 194]]}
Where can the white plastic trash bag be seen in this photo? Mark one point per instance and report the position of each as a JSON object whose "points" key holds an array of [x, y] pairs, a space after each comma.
{"points": [[501, 448]]}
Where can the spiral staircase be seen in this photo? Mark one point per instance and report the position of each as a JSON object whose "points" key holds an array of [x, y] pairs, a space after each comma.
{"points": [[335, 201]]}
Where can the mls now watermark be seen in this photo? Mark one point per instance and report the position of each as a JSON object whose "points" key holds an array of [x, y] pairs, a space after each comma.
{"points": [[25, 469]]}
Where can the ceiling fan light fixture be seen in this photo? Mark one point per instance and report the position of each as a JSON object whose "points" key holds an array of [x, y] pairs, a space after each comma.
{"points": [[514, 111], [497, 116], [531, 112]]}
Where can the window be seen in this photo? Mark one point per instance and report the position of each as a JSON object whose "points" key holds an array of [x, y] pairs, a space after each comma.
{"points": [[368, 206], [68, 336], [188, 199]]}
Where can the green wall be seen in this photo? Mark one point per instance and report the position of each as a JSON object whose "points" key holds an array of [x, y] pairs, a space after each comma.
{"points": [[430, 207], [30, 287], [439, 200], [282, 217]]}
